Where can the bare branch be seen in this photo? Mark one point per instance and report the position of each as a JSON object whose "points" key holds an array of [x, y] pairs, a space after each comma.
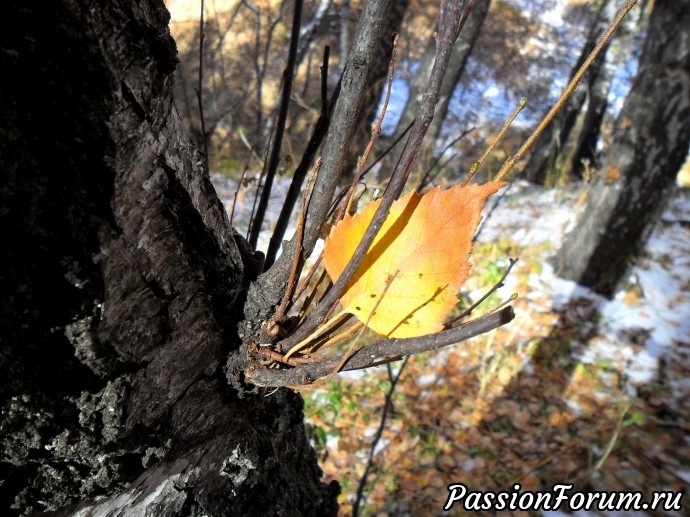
{"points": [[274, 158], [512, 160], [240, 183], [294, 277], [387, 406], [375, 132], [300, 173], [449, 27], [476, 304], [475, 166], [308, 32], [428, 178], [265, 293], [343, 192], [380, 352]]}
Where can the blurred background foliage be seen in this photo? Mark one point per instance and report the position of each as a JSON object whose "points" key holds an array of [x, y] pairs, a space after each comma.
{"points": [[522, 48]]}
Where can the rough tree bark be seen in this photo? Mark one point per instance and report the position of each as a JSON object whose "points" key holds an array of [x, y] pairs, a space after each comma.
{"points": [[545, 153], [650, 143], [121, 286]]}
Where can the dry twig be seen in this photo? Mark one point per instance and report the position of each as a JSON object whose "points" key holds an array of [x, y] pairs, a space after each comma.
{"points": [[512, 160], [292, 281], [378, 353], [274, 157], [449, 27], [301, 171]]}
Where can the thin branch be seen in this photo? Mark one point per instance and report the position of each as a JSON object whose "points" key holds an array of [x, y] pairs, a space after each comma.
{"points": [[375, 132], [309, 30], [491, 291], [387, 407], [300, 173], [200, 82], [304, 308], [270, 355], [475, 166], [338, 198], [440, 170], [240, 183], [259, 186], [274, 157], [388, 149], [380, 352], [305, 282], [335, 150], [512, 160], [492, 210], [427, 178], [450, 24], [350, 328], [350, 350], [320, 331], [292, 281]]}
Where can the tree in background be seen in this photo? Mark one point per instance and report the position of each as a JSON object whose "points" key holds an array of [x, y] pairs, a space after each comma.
{"points": [[650, 143], [547, 150], [584, 155]]}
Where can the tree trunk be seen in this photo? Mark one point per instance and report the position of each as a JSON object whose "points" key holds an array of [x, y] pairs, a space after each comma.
{"points": [[121, 286], [650, 143], [544, 156], [456, 67], [597, 101]]}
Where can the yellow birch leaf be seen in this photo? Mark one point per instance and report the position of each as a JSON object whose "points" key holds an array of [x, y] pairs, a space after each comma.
{"points": [[425, 244]]}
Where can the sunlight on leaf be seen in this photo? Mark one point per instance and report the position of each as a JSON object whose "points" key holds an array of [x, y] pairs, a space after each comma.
{"points": [[426, 242]]}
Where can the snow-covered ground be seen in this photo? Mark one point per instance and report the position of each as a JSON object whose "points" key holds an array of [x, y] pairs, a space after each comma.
{"points": [[644, 325]]}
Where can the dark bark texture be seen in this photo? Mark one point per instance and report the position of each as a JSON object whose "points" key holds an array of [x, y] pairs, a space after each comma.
{"points": [[651, 141], [122, 287]]}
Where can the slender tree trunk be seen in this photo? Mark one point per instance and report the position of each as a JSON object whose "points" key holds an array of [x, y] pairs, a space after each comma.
{"points": [[456, 66], [544, 156], [651, 142], [586, 147], [121, 286]]}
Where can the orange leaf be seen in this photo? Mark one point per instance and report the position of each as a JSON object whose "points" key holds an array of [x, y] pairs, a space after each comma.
{"points": [[425, 244]]}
